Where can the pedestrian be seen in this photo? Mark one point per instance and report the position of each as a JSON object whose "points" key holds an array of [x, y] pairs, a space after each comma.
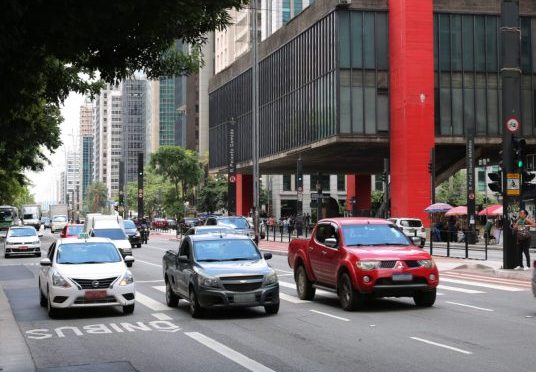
{"points": [[521, 227], [453, 231]]}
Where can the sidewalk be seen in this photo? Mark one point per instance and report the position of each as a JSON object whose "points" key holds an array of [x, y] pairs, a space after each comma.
{"points": [[14, 353]]}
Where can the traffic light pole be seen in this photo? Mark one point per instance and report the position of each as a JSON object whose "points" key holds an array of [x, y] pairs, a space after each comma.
{"points": [[140, 185], [510, 77]]}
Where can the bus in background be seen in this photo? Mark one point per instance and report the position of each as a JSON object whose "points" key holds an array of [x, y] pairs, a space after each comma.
{"points": [[9, 216]]}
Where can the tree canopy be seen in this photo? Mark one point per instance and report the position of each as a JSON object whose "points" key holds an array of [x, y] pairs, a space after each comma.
{"points": [[50, 48], [96, 197]]}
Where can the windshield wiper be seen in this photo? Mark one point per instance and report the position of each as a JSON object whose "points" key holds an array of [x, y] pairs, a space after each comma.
{"points": [[398, 244], [241, 259], [91, 262]]}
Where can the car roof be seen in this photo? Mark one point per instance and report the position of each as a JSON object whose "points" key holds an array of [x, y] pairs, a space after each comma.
{"points": [[76, 240], [406, 218], [227, 217], [211, 227], [195, 238], [357, 221]]}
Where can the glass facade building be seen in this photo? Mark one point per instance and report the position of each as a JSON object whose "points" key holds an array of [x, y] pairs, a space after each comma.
{"points": [[87, 164]]}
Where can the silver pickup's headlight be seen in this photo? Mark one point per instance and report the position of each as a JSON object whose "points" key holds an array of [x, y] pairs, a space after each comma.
{"points": [[270, 279], [59, 281], [208, 281], [368, 265], [127, 278], [428, 264]]}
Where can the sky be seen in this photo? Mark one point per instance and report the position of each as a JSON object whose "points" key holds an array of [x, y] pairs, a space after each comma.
{"points": [[43, 183]]}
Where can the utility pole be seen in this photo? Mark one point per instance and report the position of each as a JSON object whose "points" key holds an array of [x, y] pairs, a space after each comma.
{"points": [[255, 117], [140, 185], [231, 171], [511, 78], [121, 202]]}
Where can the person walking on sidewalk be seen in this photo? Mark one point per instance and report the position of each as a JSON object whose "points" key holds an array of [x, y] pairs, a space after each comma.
{"points": [[521, 227]]}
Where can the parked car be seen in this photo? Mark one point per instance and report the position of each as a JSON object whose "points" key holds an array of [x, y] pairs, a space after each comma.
{"points": [[85, 273], [220, 271], [134, 236], [22, 241], [58, 223], [188, 222], [360, 258], [240, 225], [159, 223], [172, 224], [412, 227], [72, 230]]}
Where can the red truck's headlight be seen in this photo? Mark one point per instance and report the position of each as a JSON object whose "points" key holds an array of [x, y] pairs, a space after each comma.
{"points": [[368, 265]]}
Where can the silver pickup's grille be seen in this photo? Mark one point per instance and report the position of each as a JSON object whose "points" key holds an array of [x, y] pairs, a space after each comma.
{"points": [[94, 283], [243, 283]]}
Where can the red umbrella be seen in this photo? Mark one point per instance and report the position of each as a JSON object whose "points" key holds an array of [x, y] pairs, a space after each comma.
{"points": [[492, 210], [457, 211]]}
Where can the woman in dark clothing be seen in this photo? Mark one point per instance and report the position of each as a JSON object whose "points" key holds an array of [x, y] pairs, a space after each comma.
{"points": [[521, 227]]}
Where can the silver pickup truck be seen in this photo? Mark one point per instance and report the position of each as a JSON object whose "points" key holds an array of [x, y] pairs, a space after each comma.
{"points": [[220, 270]]}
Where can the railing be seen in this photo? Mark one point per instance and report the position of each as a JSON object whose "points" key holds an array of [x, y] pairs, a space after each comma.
{"points": [[280, 232], [448, 243]]}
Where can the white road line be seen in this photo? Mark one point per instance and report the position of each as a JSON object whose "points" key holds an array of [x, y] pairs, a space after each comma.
{"points": [[148, 263], [229, 353], [441, 345], [480, 284], [440, 294], [320, 292], [470, 306], [292, 299], [331, 316], [489, 279], [150, 303], [458, 289], [161, 288], [149, 281], [285, 275], [284, 271], [162, 316]]}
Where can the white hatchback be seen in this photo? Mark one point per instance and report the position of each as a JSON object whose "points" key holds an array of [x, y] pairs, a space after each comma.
{"points": [[85, 273], [412, 227]]}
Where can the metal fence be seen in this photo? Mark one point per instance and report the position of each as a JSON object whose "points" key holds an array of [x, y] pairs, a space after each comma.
{"points": [[456, 244]]}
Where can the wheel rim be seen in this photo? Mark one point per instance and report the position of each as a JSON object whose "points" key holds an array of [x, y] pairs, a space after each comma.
{"points": [[192, 302], [168, 297], [301, 281], [345, 292]]}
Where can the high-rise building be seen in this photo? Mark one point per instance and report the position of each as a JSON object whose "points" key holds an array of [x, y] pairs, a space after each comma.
{"points": [[277, 13], [135, 116], [72, 179], [87, 112]]}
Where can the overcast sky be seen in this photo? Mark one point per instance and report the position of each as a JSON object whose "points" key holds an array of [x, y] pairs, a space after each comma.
{"points": [[43, 183]]}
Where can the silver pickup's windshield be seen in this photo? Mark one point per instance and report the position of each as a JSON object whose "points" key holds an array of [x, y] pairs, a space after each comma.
{"points": [[225, 250], [373, 235]]}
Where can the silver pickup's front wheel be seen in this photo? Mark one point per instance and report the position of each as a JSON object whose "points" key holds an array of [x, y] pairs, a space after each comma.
{"points": [[172, 300], [304, 286]]}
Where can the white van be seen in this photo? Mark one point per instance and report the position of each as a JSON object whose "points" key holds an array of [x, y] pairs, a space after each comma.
{"points": [[111, 227]]}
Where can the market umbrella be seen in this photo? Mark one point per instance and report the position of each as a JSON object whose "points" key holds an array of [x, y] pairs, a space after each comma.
{"points": [[457, 211], [491, 210], [438, 208]]}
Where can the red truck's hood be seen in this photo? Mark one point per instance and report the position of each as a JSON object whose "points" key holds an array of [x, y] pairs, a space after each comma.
{"points": [[389, 253]]}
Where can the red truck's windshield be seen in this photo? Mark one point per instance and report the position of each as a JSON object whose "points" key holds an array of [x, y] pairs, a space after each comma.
{"points": [[373, 235]]}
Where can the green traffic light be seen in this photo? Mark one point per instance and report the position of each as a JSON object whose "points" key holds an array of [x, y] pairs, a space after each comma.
{"points": [[520, 163]]}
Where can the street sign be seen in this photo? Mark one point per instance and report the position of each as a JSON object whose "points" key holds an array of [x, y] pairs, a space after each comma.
{"points": [[512, 124], [232, 179], [513, 184]]}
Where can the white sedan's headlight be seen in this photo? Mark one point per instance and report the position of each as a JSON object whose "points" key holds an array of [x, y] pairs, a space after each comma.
{"points": [[270, 279], [10, 243], [207, 281], [368, 265], [428, 264], [59, 281], [36, 241], [127, 278]]}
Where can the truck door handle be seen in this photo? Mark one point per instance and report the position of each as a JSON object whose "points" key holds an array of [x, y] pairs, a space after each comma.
{"points": [[324, 252], [310, 249]]}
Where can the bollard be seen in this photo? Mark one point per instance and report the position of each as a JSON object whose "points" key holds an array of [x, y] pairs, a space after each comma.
{"points": [[466, 244], [448, 246]]}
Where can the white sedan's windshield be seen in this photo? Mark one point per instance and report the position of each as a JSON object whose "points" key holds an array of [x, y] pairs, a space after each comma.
{"points": [[373, 235], [86, 253], [22, 232]]}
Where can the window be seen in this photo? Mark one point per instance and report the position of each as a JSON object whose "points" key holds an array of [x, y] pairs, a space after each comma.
{"points": [[287, 182], [341, 182], [325, 231]]}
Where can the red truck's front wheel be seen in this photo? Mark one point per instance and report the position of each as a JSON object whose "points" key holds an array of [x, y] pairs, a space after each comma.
{"points": [[348, 297]]}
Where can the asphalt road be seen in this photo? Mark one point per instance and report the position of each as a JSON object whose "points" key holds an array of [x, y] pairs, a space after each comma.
{"points": [[477, 324]]}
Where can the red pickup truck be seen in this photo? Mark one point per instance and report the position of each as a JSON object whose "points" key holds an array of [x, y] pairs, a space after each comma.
{"points": [[360, 258]]}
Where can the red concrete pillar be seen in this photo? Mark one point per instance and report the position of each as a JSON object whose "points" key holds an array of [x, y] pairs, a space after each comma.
{"points": [[411, 60], [359, 186], [244, 194]]}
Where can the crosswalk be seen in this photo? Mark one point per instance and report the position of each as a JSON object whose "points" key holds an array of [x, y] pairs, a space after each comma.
{"points": [[451, 282]]}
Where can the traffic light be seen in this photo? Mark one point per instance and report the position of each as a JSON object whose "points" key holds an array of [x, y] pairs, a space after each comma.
{"points": [[496, 182], [299, 175], [518, 145], [527, 184], [430, 167]]}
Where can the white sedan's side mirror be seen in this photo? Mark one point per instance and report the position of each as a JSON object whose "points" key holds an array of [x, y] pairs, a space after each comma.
{"points": [[129, 259], [45, 262]]}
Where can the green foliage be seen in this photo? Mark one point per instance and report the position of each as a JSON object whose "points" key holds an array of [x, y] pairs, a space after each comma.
{"points": [[213, 196], [453, 191], [50, 48], [155, 191], [96, 197], [13, 192]]}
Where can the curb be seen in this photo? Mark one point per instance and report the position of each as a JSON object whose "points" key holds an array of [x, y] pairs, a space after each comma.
{"points": [[14, 352], [499, 273]]}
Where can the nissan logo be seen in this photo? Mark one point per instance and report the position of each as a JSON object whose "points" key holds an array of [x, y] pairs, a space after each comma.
{"points": [[95, 284], [243, 281]]}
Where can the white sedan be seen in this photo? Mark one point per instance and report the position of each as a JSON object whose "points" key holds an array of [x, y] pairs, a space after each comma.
{"points": [[85, 273], [22, 241]]}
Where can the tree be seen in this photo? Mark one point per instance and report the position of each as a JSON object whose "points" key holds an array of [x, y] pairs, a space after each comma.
{"points": [[213, 196], [154, 190], [48, 49], [96, 197], [453, 190]]}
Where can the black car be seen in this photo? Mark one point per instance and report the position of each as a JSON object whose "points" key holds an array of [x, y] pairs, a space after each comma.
{"points": [[132, 232], [220, 271], [187, 223]]}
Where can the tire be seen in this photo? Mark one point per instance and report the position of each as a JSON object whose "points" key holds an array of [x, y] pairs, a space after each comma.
{"points": [[195, 309], [38, 254], [304, 286], [128, 309], [42, 299], [425, 298], [52, 311], [272, 309], [349, 298], [6, 255], [139, 245], [129, 264], [172, 300]]}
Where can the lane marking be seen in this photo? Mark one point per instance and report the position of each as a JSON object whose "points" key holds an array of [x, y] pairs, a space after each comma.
{"points": [[442, 345], [229, 353], [161, 288], [470, 306], [162, 316], [292, 299], [480, 284], [149, 281], [489, 280], [458, 289], [330, 315], [148, 263], [280, 275], [150, 303], [439, 294], [320, 292], [284, 271]]}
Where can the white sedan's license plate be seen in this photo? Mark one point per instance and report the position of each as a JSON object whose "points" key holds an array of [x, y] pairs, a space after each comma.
{"points": [[402, 277], [244, 298]]}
